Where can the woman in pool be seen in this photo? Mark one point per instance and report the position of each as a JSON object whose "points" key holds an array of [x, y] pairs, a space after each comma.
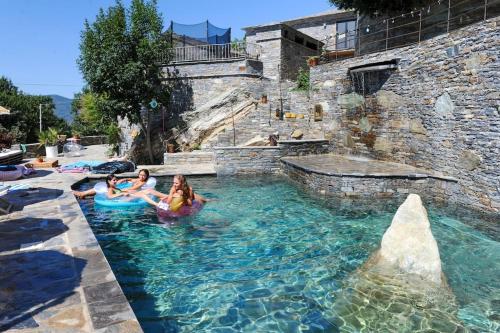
{"points": [[113, 191], [137, 183], [180, 194]]}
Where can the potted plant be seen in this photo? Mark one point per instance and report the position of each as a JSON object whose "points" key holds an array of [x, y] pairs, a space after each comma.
{"points": [[313, 61], [49, 139], [263, 99]]}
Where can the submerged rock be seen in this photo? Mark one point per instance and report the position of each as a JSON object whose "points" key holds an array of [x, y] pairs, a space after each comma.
{"points": [[409, 245], [401, 287]]}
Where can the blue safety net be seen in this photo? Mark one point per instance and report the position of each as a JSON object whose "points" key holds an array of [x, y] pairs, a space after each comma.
{"points": [[204, 32]]}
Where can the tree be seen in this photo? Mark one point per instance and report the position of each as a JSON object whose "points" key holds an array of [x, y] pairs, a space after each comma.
{"points": [[119, 61], [89, 119], [22, 123], [370, 7]]}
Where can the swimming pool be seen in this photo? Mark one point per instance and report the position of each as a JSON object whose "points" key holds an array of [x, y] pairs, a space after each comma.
{"points": [[268, 257]]}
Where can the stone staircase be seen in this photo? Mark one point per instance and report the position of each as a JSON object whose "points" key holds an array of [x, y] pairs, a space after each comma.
{"points": [[260, 121]]}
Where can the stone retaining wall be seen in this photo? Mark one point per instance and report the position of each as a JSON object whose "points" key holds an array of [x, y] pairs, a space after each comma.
{"points": [[263, 159], [304, 147], [247, 160], [34, 149], [435, 190], [216, 68], [438, 110], [194, 157]]}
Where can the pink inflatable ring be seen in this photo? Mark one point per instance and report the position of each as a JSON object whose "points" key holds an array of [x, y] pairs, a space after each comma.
{"points": [[15, 173], [183, 211]]}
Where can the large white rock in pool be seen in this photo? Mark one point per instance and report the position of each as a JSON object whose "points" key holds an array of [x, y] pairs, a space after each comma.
{"points": [[409, 244]]}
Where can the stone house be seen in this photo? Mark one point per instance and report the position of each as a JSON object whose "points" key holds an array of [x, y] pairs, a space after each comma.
{"points": [[287, 44]]}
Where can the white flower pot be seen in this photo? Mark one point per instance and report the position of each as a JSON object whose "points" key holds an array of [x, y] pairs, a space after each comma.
{"points": [[51, 151]]}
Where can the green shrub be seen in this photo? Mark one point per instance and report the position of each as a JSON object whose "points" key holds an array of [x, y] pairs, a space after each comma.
{"points": [[48, 137], [113, 132], [302, 80]]}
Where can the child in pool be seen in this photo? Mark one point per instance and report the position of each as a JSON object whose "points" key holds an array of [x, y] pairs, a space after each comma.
{"points": [[137, 183], [113, 191], [180, 194]]}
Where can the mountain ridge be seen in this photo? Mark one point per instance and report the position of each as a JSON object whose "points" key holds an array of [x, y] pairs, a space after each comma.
{"points": [[62, 107]]}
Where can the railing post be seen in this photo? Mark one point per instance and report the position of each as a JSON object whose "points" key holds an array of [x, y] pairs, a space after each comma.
{"points": [[359, 41], [419, 26], [485, 6], [449, 13], [386, 34]]}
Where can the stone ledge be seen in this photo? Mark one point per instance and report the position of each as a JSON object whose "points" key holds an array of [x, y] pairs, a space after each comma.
{"points": [[339, 170], [292, 142]]}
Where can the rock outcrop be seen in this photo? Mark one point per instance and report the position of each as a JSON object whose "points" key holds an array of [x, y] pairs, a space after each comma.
{"points": [[215, 115]]}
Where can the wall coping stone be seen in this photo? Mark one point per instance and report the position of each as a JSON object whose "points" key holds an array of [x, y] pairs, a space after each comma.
{"points": [[214, 76], [247, 147], [207, 62], [288, 142], [356, 174]]}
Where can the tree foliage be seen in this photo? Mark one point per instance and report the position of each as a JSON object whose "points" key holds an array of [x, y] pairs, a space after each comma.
{"points": [[22, 123], [370, 7], [119, 61], [89, 118]]}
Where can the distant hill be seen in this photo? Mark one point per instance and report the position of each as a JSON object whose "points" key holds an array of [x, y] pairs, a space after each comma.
{"points": [[63, 107]]}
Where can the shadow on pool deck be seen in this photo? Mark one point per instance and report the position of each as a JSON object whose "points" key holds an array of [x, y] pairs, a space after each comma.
{"points": [[22, 232], [39, 173], [34, 281], [25, 197]]}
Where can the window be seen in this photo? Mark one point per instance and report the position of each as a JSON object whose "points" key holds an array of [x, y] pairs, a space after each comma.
{"points": [[299, 40], [346, 35]]}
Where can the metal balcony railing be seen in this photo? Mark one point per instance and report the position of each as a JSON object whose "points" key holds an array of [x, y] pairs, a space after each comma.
{"points": [[441, 16], [214, 52]]}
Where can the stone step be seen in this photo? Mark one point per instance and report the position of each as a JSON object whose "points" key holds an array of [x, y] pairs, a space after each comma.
{"points": [[170, 170], [194, 157]]}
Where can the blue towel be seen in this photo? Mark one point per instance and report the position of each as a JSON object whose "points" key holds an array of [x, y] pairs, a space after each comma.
{"points": [[82, 164]]}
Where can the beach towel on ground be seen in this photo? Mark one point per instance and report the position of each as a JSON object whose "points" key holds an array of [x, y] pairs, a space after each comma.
{"points": [[114, 167], [79, 167]]}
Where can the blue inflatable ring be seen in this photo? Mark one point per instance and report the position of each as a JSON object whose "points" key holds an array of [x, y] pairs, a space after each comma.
{"points": [[102, 199]]}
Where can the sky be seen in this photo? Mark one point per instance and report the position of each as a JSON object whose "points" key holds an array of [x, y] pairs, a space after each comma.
{"points": [[39, 39]]}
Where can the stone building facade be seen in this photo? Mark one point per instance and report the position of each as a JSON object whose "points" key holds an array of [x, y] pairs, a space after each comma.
{"points": [[286, 45], [435, 105]]}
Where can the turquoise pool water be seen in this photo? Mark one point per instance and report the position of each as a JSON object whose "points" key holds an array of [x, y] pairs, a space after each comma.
{"points": [[267, 257]]}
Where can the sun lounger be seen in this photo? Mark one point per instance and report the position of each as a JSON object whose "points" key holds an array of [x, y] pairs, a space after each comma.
{"points": [[11, 157], [5, 205]]}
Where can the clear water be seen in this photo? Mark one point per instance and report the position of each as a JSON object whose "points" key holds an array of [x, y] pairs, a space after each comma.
{"points": [[268, 257]]}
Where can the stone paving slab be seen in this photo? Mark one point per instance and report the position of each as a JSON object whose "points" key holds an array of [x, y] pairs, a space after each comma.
{"points": [[338, 165], [53, 274]]}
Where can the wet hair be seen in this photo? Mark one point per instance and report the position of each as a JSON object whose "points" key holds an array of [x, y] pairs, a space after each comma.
{"points": [[146, 171], [109, 178], [184, 187]]}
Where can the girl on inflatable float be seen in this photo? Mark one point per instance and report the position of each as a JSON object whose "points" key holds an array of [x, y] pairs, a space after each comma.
{"points": [[180, 201], [143, 180]]}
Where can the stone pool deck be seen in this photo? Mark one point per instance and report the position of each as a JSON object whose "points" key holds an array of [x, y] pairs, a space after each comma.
{"points": [[53, 274]]}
